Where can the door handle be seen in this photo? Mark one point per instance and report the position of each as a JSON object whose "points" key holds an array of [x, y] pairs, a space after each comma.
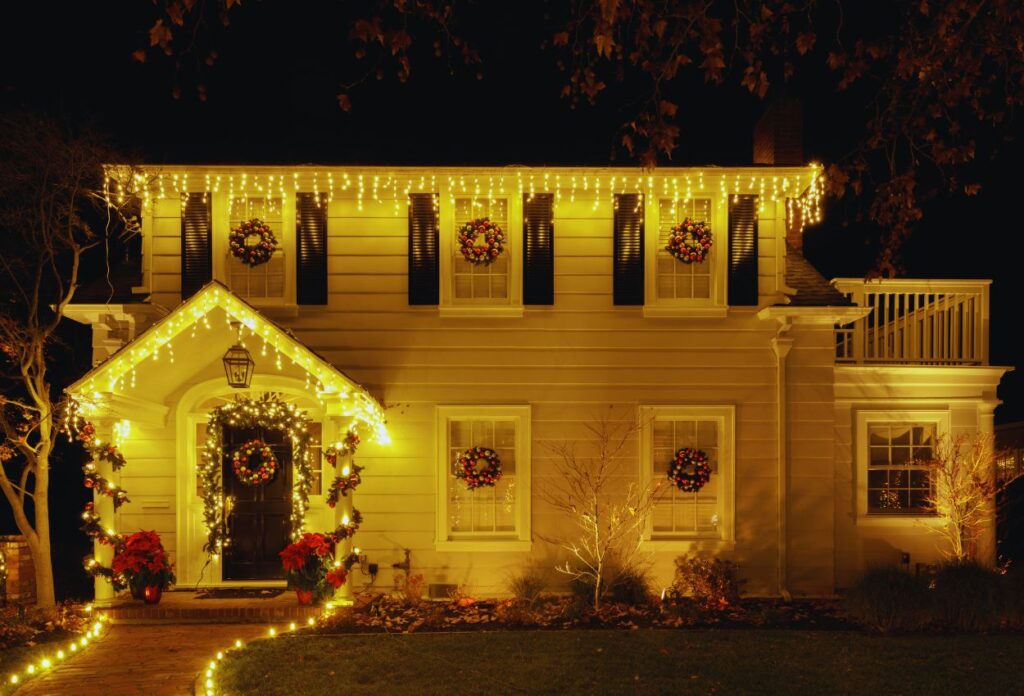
{"points": [[229, 506]]}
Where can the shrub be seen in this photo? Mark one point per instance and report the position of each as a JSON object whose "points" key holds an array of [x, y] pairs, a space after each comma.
{"points": [[409, 588], [711, 581], [1013, 597], [632, 586], [967, 597], [886, 599], [526, 586]]}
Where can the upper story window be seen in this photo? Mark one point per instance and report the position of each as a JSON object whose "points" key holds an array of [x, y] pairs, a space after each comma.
{"points": [[678, 280], [681, 287], [265, 281], [489, 516], [705, 513], [484, 283]]}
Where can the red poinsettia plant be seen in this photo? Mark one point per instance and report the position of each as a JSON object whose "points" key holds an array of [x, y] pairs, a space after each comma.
{"points": [[142, 562], [310, 566]]}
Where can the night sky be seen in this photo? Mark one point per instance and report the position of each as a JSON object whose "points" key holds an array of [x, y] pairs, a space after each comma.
{"points": [[272, 99]]}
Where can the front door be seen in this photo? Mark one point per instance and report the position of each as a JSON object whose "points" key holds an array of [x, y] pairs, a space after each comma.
{"points": [[259, 523]]}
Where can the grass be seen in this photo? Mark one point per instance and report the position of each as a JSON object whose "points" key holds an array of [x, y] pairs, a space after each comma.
{"points": [[647, 661]]}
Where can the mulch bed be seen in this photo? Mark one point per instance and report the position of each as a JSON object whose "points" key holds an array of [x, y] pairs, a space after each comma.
{"points": [[388, 614]]}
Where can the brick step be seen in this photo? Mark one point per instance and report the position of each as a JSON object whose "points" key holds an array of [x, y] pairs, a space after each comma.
{"points": [[185, 607]]}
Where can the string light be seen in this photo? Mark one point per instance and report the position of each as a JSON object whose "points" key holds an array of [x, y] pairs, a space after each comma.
{"points": [[99, 622]]}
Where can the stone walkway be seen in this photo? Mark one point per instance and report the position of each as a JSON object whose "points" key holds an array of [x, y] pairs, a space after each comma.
{"points": [[149, 660]]}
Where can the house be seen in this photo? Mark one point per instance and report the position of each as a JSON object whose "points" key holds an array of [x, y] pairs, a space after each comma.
{"points": [[812, 400]]}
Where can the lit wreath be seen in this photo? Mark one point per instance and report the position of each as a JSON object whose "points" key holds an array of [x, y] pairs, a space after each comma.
{"points": [[253, 254], [466, 467], [490, 250], [690, 241], [679, 474], [254, 476]]}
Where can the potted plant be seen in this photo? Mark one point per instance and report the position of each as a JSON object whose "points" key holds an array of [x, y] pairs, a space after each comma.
{"points": [[311, 569], [142, 562]]}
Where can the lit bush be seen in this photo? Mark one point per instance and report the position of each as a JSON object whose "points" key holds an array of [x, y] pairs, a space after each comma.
{"points": [[888, 600], [713, 582]]}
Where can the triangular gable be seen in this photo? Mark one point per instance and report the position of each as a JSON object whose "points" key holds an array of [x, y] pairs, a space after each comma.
{"points": [[329, 381]]}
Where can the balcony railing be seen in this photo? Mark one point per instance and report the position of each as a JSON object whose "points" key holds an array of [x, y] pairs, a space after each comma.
{"points": [[916, 322]]}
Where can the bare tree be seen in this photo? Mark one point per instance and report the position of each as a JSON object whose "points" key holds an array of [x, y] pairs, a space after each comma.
{"points": [[55, 204], [962, 474], [609, 519]]}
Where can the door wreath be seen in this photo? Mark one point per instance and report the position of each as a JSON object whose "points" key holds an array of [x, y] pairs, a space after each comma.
{"points": [[254, 475], [678, 469], [466, 467]]}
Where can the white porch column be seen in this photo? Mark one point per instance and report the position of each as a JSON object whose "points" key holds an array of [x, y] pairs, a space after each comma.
{"points": [[103, 507], [343, 512], [781, 345], [987, 547]]}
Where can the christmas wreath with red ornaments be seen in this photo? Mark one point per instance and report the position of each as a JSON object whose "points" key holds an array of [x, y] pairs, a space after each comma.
{"points": [[478, 467], [690, 241], [481, 241], [254, 474], [690, 470], [252, 242]]}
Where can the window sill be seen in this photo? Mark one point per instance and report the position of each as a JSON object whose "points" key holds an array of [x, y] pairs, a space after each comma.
{"points": [[475, 545], [477, 311], [867, 520], [686, 545], [678, 312]]}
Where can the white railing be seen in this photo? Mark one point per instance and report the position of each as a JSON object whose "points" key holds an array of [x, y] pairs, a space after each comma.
{"points": [[921, 322]]}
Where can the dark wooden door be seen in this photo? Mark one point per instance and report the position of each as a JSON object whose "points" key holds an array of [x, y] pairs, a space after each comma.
{"points": [[259, 525]]}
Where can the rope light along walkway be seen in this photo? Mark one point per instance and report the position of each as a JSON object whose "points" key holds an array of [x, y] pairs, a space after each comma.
{"points": [[205, 683], [44, 664]]}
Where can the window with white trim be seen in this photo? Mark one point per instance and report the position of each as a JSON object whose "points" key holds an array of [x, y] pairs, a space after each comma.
{"points": [[481, 283], [708, 512], [897, 471], [891, 449], [487, 514], [677, 280], [267, 280]]}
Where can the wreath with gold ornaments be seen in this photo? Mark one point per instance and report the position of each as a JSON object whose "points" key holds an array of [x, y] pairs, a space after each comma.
{"points": [[690, 241], [690, 470], [478, 467], [254, 474], [481, 241], [252, 242]]}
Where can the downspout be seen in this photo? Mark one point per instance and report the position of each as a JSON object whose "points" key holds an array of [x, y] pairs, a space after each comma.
{"points": [[781, 346]]}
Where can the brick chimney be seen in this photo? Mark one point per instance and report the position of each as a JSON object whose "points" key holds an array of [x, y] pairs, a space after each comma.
{"points": [[779, 134], [778, 140]]}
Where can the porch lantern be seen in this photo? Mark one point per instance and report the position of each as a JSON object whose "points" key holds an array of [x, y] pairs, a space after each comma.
{"points": [[238, 366]]}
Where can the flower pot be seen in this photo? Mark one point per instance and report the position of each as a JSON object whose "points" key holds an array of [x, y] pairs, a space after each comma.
{"points": [[151, 594], [305, 596]]}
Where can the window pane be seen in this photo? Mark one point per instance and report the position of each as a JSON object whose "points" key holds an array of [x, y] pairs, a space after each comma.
{"points": [[486, 509], [897, 483], [878, 456], [678, 512]]}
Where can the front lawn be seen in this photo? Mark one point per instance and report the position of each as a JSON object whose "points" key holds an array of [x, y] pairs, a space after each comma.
{"points": [[647, 661]]}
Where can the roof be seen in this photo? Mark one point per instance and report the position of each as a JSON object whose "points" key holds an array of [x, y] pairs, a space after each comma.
{"points": [[116, 375], [812, 290]]}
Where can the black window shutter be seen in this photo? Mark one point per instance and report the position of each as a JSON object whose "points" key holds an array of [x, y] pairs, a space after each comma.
{"points": [[311, 249], [538, 249], [196, 244], [743, 250], [628, 250], [423, 250]]}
